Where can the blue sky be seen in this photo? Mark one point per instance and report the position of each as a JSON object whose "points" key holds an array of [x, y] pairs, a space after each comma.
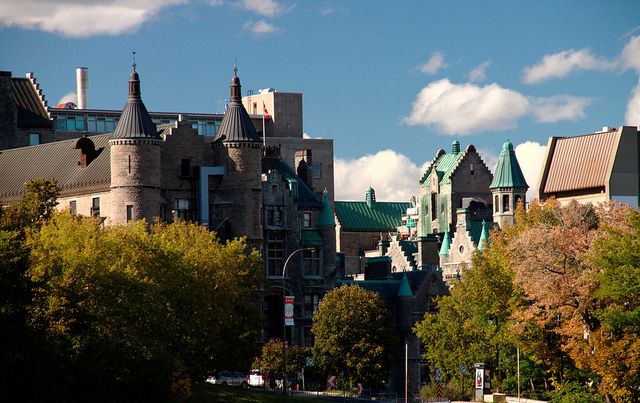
{"points": [[390, 81]]}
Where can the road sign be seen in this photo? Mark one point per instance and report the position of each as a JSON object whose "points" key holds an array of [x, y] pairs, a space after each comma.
{"points": [[439, 390], [310, 362], [463, 369], [438, 375], [331, 382], [288, 310]]}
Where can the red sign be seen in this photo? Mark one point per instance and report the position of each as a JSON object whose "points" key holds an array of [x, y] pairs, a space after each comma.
{"points": [[288, 310], [331, 382]]}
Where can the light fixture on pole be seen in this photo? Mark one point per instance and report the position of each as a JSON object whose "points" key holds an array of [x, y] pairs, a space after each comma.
{"points": [[284, 322]]}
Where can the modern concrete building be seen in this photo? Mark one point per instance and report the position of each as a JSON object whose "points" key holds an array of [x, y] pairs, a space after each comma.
{"points": [[593, 168]]}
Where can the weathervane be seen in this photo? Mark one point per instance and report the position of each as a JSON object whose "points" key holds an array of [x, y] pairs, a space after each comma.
{"points": [[134, 60]]}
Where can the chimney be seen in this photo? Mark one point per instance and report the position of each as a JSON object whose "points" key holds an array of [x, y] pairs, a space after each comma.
{"points": [[82, 85]]}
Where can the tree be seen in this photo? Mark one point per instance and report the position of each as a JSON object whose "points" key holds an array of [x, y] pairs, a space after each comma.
{"points": [[128, 307], [353, 336], [270, 360]]}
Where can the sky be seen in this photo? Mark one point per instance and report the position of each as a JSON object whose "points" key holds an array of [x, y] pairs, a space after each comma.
{"points": [[391, 82]]}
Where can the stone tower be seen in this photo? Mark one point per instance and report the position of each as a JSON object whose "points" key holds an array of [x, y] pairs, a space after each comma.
{"points": [[238, 148], [135, 161], [327, 226], [508, 186]]}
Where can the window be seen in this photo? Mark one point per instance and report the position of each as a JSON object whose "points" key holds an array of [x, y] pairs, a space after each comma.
{"points": [[110, 124], [80, 123], [505, 203], [434, 206], [274, 216], [274, 253], [71, 124], [308, 337], [317, 170], [91, 123], [183, 209], [311, 262], [101, 125], [95, 207], [471, 168], [293, 187], [255, 108], [61, 123], [73, 206], [129, 212], [461, 249], [517, 200], [185, 167], [311, 304], [34, 139], [306, 220], [496, 204]]}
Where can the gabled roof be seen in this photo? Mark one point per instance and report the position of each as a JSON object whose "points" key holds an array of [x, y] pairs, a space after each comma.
{"points": [[31, 110], [508, 173], [579, 162], [367, 216], [59, 161], [236, 124], [444, 165]]}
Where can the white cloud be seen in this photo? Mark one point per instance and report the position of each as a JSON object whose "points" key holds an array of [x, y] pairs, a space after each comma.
{"points": [[531, 157], [392, 175], [266, 8], [306, 135], [632, 117], [630, 54], [260, 28], [461, 109], [558, 107], [81, 19], [467, 108], [68, 97], [561, 64], [479, 73], [434, 64]]}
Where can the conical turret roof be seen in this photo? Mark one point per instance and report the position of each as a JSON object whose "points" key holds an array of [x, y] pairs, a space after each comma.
{"points": [[135, 122], [236, 124], [405, 289], [326, 218], [483, 243], [446, 244], [508, 173]]}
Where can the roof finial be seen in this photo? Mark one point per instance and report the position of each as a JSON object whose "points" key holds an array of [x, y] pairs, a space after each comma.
{"points": [[235, 68], [134, 61]]}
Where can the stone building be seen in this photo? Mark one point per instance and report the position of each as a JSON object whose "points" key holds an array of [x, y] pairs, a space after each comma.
{"points": [[227, 182], [363, 228], [593, 168]]}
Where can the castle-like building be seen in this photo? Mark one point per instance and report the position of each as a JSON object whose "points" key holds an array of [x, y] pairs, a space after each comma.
{"points": [[235, 183]]}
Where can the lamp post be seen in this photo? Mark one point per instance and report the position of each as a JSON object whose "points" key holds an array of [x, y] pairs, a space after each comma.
{"points": [[284, 323]]}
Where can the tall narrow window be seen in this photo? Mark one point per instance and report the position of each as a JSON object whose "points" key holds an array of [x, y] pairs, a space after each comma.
{"points": [[95, 207], [311, 262], [129, 163], [496, 204], [274, 253], [185, 167], [471, 168], [306, 220], [505, 203], [434, 206], [129, 212], [73, 206]]}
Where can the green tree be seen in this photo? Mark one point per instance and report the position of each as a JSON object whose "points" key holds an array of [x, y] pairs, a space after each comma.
{"points": [[270, 360], [128, 307], [353, 336]]}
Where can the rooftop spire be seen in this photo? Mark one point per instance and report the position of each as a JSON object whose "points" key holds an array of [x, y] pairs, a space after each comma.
{"points": [[483, 243], [135, 122], [508, 173], [370, 197], [236, 88], [236, 124], [446, 244], [325, 218]]}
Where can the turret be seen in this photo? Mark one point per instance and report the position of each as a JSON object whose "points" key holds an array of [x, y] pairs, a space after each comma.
{"points": [[326, 225], [238, 148], [135, 161], [508, 186]]}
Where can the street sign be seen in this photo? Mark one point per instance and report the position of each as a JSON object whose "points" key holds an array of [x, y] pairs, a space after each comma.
{"points": [[310, 362], [331, 382], [288, 311], [439, 390], [463, 369], [438, 375]]}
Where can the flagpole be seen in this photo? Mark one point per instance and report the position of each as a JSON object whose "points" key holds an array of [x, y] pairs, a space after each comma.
{"points": [[264, 133]]}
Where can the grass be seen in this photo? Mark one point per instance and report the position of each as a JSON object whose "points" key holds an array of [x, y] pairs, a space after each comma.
{"points": [[204, 392]]}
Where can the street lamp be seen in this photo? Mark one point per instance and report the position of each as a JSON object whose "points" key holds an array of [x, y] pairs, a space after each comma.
{"points": [[284, 323]]}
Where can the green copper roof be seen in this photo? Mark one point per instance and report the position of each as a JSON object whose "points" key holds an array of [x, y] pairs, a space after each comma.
{"points": [[405, 289], [325, 219], [475, 229], [446, 244], [443, 165], [483, 243], [365, 216], [310, 237], [508, 173]]}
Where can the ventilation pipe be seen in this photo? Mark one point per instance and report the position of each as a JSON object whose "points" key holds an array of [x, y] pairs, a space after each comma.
{"points": [[82, 85]]}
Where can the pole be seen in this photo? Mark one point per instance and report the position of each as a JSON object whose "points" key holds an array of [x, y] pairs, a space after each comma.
{"points": [[518, 350], [406, 370], [284, 322], [264, 134]]}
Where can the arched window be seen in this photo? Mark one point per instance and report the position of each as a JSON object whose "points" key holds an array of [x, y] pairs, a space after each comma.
{"points": [[505, 203]]}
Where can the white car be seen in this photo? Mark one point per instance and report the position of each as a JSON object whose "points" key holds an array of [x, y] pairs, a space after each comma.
{"points": [[228, 378], [255, 378]]}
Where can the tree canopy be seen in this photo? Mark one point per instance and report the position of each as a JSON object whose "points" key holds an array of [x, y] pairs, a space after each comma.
{"points": [[353, 336]]}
